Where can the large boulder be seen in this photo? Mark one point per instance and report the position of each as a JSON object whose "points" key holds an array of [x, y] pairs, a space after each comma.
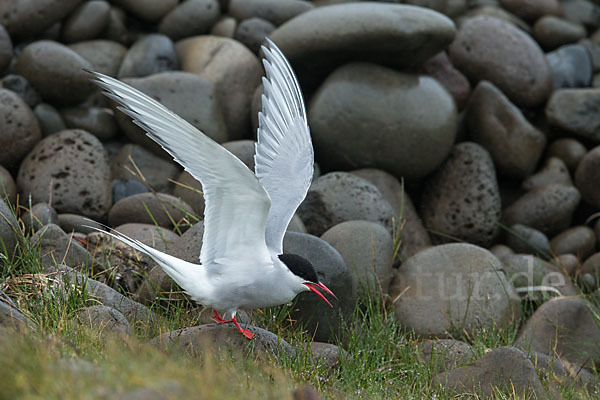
{"points": [[451, 288]]}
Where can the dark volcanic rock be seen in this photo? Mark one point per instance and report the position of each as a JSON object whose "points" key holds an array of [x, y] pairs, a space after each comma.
{"points": [[548, 208], [340, 196], [462, 198], [72, 167]]}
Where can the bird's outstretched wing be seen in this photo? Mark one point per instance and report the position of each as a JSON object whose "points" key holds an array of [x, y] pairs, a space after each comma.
{"points": [[284, 153], [236, 204]]}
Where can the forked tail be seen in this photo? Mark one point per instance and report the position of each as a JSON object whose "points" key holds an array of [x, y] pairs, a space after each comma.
{"points": [[180, 271]]}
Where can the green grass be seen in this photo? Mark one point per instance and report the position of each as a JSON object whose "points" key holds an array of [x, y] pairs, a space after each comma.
{"points": [[382, 362]]}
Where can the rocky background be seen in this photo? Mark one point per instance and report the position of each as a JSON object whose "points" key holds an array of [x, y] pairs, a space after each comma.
{"points": [[457, 146]]}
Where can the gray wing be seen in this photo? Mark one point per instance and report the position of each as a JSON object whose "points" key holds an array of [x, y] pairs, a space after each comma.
{"points": [[236, 204], [284, 153]]}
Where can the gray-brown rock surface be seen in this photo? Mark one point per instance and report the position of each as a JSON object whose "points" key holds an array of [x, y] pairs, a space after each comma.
{"points": [[461, 199], [71, 167], [487, 48], [452, 287]]}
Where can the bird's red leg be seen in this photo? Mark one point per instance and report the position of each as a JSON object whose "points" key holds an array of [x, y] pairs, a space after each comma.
{"points": [[219, 319], [244, 332]]}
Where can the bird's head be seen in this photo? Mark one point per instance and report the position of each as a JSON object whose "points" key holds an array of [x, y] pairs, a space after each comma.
{"points": [[306, 275]]}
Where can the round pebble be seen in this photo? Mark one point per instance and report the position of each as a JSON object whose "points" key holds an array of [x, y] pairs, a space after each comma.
{"points": [[150, 55], [340, 196], [77, 223], [591, 266], [498, 13], [8, 229], [149, 208], [20, 85], [548, 208], [55, 71], [527, 271], [188, 246], [41, 214], [523, 239], [98, 121], [149, 10], [275, 11], [189, 189], [578, 240], [225, 27], [103, 319], [571, 66], [408, 35], [569, 150], [587, 177], [192, 97], [252, 32], [565, 326], [8, 187], [366, 115], [532, 9], [19, 127], [447, 204], [49, 119], [482, 44], [573, 111], [501, 128], [26, 19], [440, 68], [122, 188], [452, 287], [367, 249], [242, 149], [190, 18], [319, 319], [554, 171], [116, 29], [86, 22], [234, 71], [72, 168], [6, 49], [500, 367], [552, 32], [568, 263], [582, 12], [105, 56], [135, 162]]}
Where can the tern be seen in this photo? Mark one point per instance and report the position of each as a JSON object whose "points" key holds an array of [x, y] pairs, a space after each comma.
{"points": [[242, 265]]}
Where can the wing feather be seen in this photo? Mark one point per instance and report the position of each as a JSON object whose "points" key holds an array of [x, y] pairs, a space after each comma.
{"points": [[236, 204], [284, 153]]}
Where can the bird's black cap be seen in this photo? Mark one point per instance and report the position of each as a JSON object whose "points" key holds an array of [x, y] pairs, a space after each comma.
{"points": [[300, 266]]}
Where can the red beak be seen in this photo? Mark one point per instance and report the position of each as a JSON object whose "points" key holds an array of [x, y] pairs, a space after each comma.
{"points": [[313, 288]]}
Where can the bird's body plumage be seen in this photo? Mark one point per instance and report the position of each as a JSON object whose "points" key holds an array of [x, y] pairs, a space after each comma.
{"points": [[246, 214]]}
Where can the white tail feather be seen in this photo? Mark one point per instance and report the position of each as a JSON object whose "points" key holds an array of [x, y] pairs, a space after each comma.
{"points": [[180, 271]]}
